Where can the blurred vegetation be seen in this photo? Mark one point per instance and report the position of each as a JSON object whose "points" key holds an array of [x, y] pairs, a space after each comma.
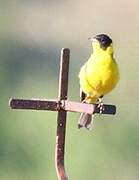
{"points": [[32, 34]]}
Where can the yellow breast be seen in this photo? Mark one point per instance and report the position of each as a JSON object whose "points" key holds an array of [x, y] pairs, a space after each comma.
{"points": [[99, 75]]}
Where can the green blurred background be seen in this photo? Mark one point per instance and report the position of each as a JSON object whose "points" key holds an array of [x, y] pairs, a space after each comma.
{"points": [[32, 34]]}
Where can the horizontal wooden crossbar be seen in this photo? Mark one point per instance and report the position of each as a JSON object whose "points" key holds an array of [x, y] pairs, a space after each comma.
{"points": [[55, 105], [34, 104]]}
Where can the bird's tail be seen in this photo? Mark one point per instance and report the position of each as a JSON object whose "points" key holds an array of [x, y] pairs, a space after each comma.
{"points": [[86, 120]]}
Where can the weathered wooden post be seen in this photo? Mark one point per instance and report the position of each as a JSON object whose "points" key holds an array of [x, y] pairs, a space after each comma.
{"points": [[61, 119]]}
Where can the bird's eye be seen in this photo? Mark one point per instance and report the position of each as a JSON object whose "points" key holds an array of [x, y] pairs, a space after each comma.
{"points": [[103, 42]]}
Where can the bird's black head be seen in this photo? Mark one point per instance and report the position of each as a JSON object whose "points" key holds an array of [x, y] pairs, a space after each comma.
{"points": [[103, 39]]}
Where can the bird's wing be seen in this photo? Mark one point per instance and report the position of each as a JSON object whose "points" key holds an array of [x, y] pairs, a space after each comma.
{"points": [[82, 95]]}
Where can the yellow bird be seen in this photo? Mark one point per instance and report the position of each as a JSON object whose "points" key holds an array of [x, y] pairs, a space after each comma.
{"points": [[98, 76]]}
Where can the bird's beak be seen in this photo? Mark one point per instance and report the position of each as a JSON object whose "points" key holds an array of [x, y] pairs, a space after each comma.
{"points": [[92, 39]]}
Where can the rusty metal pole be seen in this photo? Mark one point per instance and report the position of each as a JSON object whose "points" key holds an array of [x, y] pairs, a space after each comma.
{"points": [[61, 119]]}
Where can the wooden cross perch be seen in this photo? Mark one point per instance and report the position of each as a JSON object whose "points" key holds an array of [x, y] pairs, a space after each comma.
{"points": [[62, 105]]}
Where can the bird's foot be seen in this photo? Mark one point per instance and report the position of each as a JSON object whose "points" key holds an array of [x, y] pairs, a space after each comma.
{"points": [[100, 106]]}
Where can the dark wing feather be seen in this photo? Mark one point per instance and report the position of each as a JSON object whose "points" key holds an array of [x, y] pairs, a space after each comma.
{"points": [[82, 95]]}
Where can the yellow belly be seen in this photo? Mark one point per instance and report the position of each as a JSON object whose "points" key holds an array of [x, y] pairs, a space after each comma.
{"points": [[99, 76]]}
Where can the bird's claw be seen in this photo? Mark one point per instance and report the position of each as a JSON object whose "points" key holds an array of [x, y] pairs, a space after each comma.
{"points": [[101, 107]]}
